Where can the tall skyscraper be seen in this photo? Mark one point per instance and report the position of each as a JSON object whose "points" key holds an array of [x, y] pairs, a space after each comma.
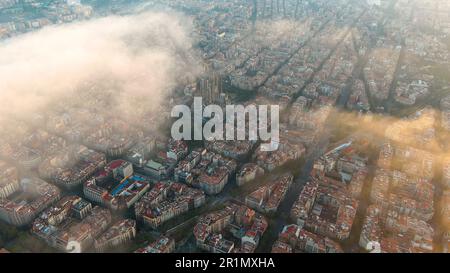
{"points": [[210, 88]]}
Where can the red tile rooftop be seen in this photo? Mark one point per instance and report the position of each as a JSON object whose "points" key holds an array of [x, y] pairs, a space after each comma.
{"points": [[115, 164]]}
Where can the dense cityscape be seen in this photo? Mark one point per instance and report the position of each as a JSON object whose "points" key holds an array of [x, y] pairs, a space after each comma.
{"points": [[88, 164]]}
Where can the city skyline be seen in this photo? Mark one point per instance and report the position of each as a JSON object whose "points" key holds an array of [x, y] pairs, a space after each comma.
{"points": [[89, 161]]}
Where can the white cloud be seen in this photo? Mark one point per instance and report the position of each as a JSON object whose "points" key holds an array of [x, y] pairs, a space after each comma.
{"points": [[140, 56]]}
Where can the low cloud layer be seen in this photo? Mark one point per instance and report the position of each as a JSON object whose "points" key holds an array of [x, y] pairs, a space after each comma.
{"points": [[134, 61]]}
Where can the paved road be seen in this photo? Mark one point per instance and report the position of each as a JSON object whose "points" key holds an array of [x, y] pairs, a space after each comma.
{"points": [[284, 209], [320, 147]]}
